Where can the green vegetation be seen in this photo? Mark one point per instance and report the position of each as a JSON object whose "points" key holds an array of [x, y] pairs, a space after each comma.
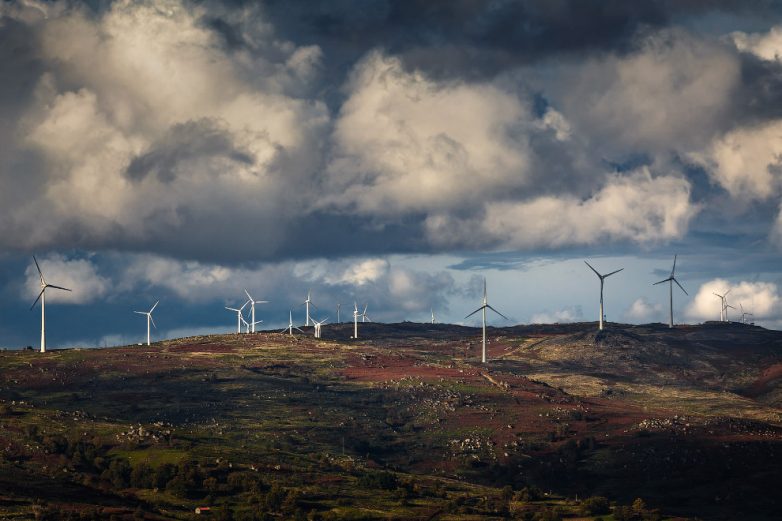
{"points": [[271, 427]]}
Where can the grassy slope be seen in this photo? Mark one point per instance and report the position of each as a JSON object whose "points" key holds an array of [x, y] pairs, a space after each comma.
{"points": [[687, 419]]}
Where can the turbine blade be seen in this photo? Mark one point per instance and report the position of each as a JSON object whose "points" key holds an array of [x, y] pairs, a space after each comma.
{"points": [[261, 301], [613, 272], [153, 307], [37, 299], [674, 266], [682, 287], [666, 280], [299, 329], [726, 293], [593, 269], [367, 317], [500, 314], [313, 304], [140, 312], [474, 312], [37, 267], [152, 320], [234, 309], [57, 287], [248, 295]]}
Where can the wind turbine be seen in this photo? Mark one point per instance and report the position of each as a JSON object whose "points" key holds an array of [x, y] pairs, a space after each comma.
{"points": [[432, 309], [238, 316], [338, 320], [744, 314], [723, 306], [290, 327], [307, 303], [356, 314], [602, 280], [364, 316], [317, 326], [42, 297], [252, 303], [483, 308], [149, 318], [670, 280], [726, 308]]}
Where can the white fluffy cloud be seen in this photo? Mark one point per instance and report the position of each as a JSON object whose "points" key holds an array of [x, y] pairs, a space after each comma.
{"points": [[642, 311], [759, 298], [637, 207], [767, 46], [148, 127], [79, 275], [747, 162], [561, 316], [407, 143], [670, 94]]}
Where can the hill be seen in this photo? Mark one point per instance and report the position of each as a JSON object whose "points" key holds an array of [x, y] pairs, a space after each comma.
{"points": [[403, 423]]}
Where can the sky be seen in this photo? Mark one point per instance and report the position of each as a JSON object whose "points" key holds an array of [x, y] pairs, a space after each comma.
{"points": [[390, 153]]}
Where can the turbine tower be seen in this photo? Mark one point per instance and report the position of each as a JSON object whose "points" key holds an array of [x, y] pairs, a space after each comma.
{"points": [[723, 306], [149, 318], [432, 310], [670, 281], [252, 303], [290, 327], [317, 326], [338, 320], [307, 303], [42, 297], [356, 314], [238, 316], [483, 308], [602, 280]]}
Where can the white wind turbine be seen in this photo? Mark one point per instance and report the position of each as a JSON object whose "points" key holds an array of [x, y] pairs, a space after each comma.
{"points": [[307, 303], [432, 310], [42, 297], [723, 305], [671, 280], [364, 316], [317, 326], [239, 316], [602, 280], [338, 320], [356, 314], [252, 303], [726, 308], [149, 318], [744, 314], [290, 327], [483, 308]]}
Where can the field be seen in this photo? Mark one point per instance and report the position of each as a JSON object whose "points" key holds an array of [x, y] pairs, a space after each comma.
{"points": [[635, 422]]}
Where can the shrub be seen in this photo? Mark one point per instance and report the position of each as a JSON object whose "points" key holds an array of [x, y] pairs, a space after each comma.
{"points": [[595, 506], [378, 480]]}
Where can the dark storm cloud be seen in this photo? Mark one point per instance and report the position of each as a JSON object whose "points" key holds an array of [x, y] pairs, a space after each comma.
{"points": [[192, 141], [468, 38]]}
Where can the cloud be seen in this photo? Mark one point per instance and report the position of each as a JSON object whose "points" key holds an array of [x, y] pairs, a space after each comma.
{"points": [[747, 162], [406, 143], [152, 136], [562, 316], [641, 311], [760, 298], [767, 46], [79, 275], [671, 93], [638, 207]]}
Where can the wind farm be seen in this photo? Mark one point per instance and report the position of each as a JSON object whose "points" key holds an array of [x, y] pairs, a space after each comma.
{"points": [[178, 174]]}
